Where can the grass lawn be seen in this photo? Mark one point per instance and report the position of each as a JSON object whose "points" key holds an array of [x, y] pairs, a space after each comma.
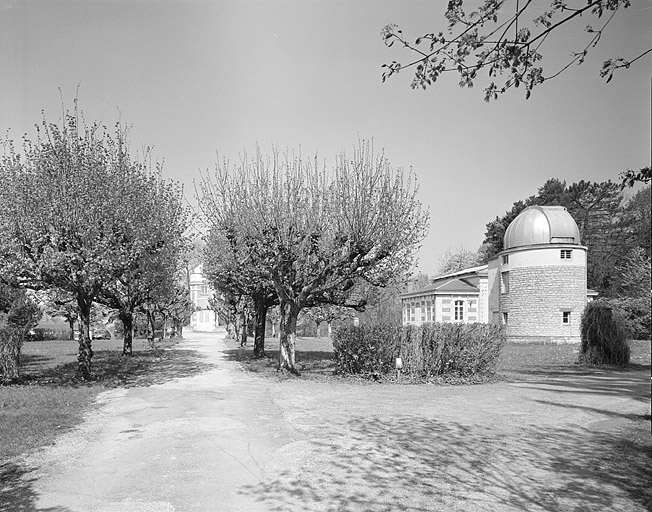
{"points": [[314, 358], [48, 400]]}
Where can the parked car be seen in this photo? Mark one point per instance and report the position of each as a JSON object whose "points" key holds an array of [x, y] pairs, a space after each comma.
{"points": [[101, 334]]}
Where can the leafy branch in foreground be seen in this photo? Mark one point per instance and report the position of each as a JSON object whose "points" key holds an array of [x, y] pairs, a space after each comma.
{"points": [[496, 38], [630, 178]]}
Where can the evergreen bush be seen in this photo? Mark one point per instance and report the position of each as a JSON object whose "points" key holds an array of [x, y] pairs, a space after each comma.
{"points": [[636, 313], [432, 350], [604, 335]]}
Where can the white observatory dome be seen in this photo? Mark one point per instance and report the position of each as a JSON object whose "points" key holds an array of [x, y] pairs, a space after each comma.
{"points": [[540, 225]]}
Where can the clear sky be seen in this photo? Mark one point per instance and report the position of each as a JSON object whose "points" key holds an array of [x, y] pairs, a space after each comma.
{"points": [[196, 79]]}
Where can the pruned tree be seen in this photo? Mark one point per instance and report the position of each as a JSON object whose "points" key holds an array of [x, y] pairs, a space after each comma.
{"points": [[314, 232], [178, 307], [506, 39], [328, 313], [60, 303], [153, 242], [64, 220], [245, 288]]}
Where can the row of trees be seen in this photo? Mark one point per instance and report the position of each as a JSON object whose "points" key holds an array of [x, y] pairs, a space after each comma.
{"points": [[288, 232], [84, 222]]}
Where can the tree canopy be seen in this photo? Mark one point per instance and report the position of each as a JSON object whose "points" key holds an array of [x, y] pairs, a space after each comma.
{"points": [[505, 38], [314, 231], [74, 216]]}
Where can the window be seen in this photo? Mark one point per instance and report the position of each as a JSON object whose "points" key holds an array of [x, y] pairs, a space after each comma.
{"points": [[459, 310], [505, 318], [504, 282], [505, 259], [565, 317], [204, 289], [566, 254]]}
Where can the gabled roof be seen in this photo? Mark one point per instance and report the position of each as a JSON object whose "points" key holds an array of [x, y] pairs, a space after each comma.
{"points": [[445, 287], [480, 270], [455, 282], [457, 286]]}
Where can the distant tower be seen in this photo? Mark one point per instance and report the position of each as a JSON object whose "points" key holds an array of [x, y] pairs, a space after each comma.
{"points": [[537, 285]]}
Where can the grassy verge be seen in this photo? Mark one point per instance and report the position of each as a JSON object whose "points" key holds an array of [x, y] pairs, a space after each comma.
{"points": [[314, 359], [48, 400]]}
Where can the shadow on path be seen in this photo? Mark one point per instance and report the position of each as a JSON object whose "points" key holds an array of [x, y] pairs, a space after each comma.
{"points": [[630, 382], [112, 369], [16, 494], [417, 464]]}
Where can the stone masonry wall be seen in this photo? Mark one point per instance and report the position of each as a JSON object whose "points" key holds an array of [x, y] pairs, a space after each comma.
{"points": [[537, 297]]}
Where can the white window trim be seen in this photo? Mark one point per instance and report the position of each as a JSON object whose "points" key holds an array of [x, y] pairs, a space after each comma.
{"points": [[461, 303]]}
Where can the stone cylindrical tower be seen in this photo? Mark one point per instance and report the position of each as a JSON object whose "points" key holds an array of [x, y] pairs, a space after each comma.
{"points": [[541, 277]]}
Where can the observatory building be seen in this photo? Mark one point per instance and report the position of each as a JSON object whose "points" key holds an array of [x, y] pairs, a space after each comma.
{"points": [[536, 286]]}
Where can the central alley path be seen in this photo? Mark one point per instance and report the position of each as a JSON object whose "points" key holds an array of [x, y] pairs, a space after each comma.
{"points": [[227, 440], [188, 444]]}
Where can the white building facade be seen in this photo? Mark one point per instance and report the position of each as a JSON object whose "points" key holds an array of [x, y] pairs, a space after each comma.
{"points": [[204, 319], [459, 297], [536, 286]]}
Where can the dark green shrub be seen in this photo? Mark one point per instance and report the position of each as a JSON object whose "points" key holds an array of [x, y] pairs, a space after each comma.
{"points": [[365, 350], [604, 335], [428, 351], [636, 313], [18, 313]]}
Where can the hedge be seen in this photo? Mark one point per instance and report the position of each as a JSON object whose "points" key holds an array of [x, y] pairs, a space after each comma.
{"points": [[428, 351]]}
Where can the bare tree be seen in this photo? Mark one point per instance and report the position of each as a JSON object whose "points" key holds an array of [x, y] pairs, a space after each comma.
{"points": [[314, 232]]}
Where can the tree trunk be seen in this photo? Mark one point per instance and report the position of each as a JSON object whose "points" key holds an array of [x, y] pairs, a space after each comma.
{"points": [[289, 313], [71, 323], [127, 319], [151, 324], [236, 327], [11, 340], [110, 328], [241, 322], [165, 327], [85, 349], [330, 329], [259, 335]]}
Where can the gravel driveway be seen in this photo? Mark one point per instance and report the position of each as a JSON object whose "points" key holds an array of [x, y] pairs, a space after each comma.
{"points": [[227, 440]]}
